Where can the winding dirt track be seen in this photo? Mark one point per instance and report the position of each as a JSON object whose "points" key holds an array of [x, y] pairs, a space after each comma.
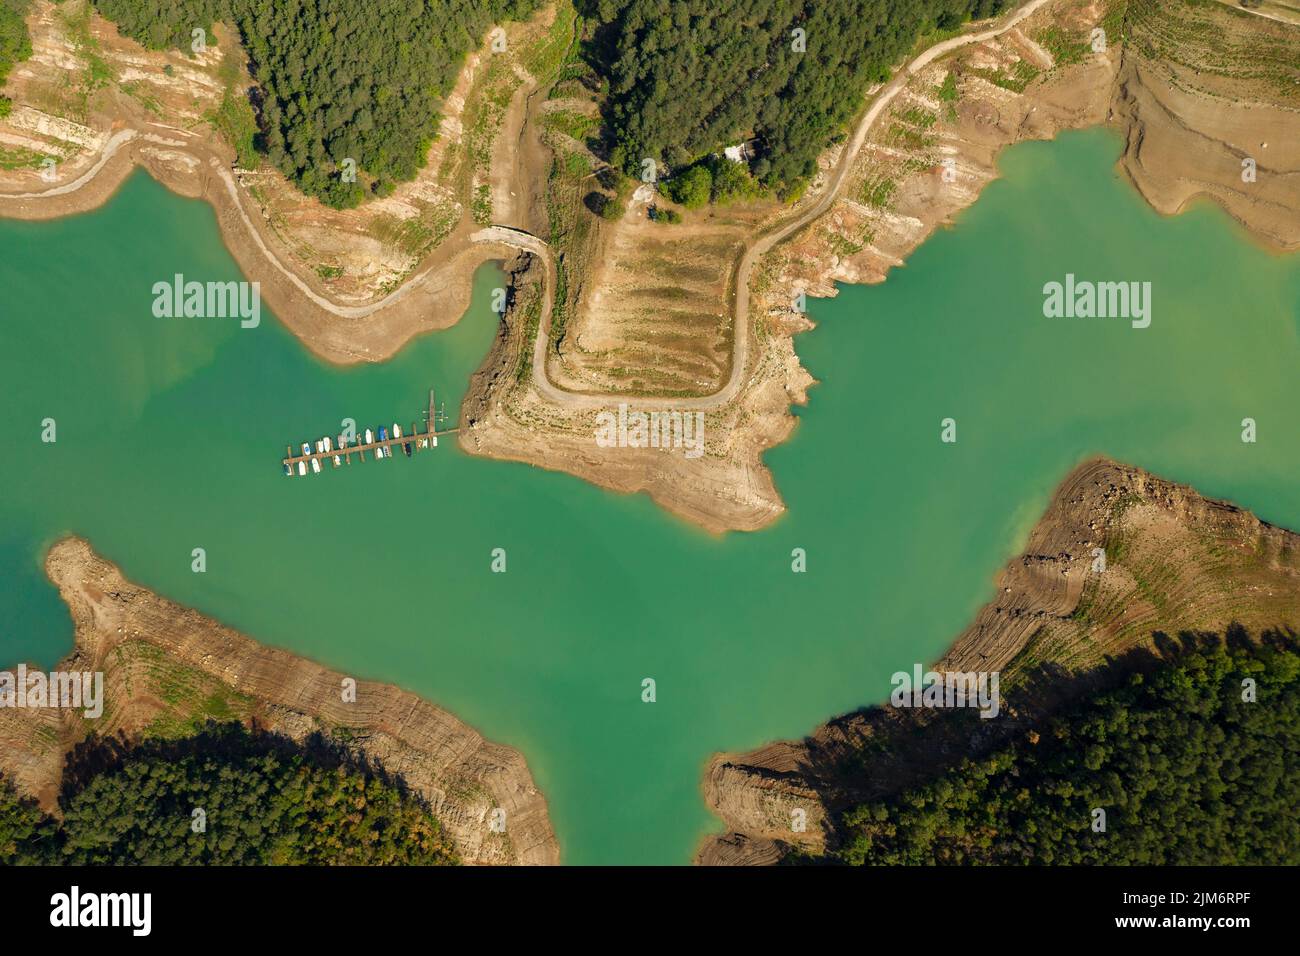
{"points": [[520, 239], [115, 142], [757, 249]]}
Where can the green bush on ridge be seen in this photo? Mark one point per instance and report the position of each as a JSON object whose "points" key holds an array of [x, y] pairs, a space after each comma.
{"points": [[264, 802], [1187, 772], [336, 82], [688, 77]]}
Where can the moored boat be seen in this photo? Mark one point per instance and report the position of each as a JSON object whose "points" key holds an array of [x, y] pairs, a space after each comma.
{"points": [[381, 439]]}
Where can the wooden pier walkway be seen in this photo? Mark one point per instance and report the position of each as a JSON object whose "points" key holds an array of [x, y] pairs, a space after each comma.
{"points": [[418, 440], [362, 447]]}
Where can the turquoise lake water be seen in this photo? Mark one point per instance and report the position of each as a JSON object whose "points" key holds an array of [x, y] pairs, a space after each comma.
{"points": [[170, 433]]}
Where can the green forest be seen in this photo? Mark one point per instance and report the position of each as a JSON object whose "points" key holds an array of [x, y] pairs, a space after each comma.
{"points": [[684, 77], [15, 44], [689, 76], [1187, 772], [265, 802], [335, 81]]}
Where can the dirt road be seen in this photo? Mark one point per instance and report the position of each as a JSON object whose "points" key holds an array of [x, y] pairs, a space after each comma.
{"points": [[518, 238], [756, 250]]}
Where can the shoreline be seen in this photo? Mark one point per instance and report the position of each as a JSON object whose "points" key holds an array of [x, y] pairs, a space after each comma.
{"points": [[765, 378], [1031, 620], [331, 332], [451, 765], [1248, 234]]}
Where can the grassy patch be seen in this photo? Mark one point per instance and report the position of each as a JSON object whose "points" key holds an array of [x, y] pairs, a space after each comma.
{"points": [[234, 118], [574, 125], [418, 235], [917, 116], [481, 206], [19, 157], [140, 92], [878, 192], [1066, 47], [1015, 79]]}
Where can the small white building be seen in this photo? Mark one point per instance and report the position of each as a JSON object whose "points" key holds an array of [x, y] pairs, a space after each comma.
{"points": [[738, 153]]}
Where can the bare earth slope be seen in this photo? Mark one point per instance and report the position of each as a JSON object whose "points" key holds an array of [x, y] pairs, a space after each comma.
{"points": [[1203, 93], [921, 160], [353, 285], [1175, 562], [167, 669], [696, 317]]}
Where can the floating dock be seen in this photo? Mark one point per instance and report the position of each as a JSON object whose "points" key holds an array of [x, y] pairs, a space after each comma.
{"points": [[416, 438]]}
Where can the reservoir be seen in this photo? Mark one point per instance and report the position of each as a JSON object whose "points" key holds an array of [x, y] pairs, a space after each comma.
{"points": [[170, 433]]}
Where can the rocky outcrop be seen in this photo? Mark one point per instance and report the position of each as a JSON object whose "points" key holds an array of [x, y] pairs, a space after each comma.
{"points": [[168, 668], [720, 484], [1174, 562], [1196, 90], [1209, 103]]}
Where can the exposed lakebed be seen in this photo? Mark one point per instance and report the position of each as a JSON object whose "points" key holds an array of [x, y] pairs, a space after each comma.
{"points": [[170, 434]]}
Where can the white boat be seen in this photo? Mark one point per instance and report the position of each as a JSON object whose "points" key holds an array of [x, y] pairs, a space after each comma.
{"points": [[397, 430], [320, 446], [302, 468], [315, 466], [370, 436], [338, 460], [329, 444]]}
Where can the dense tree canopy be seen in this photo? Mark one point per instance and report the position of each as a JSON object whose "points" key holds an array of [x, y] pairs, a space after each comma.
{"points": [[688, 76], [1186, 771], [26, 834], [15, 44], [685, 76], [337, 81], [263, 802]]}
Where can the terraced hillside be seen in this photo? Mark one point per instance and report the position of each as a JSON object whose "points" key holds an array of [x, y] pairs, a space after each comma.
{"points": [[1174, 563], [644, 304], [1209, 95], [168, 670]]}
